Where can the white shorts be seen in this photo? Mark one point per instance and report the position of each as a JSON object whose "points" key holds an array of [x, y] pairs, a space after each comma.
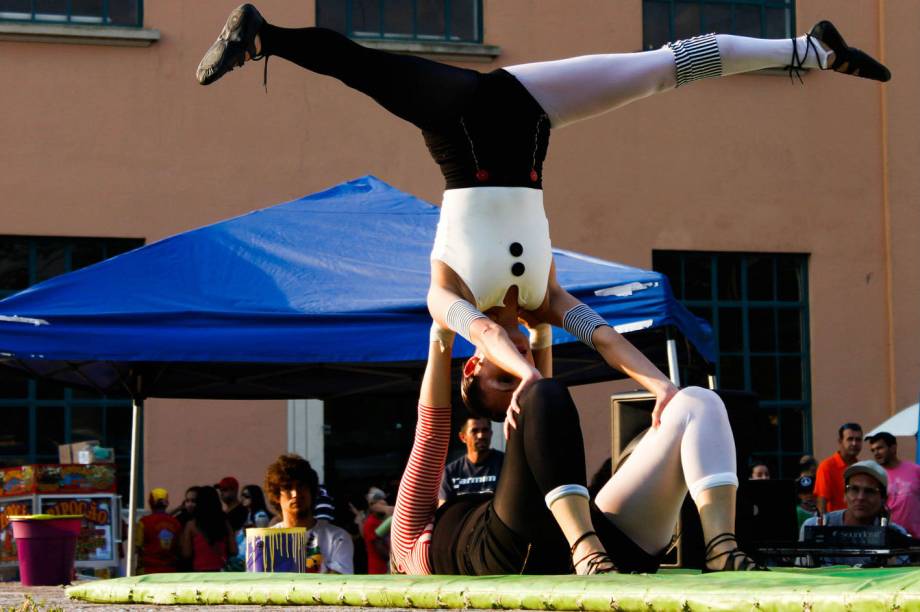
{"points": [[494, 238]]}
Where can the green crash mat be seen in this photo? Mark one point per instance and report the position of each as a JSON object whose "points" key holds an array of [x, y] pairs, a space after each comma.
{"points": [[781, 589]]}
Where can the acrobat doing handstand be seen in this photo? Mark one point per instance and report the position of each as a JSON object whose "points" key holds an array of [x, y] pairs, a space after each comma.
{"points": [[491, 266]]}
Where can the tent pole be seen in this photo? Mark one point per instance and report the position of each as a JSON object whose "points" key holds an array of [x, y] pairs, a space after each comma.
{"points": [[674, 373], [137, 408]]}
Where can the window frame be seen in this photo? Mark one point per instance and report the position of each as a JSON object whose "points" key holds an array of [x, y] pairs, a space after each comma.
{"points": [[779, 455], [383, 36], [67, 19], [788, 5], [67, 399]]}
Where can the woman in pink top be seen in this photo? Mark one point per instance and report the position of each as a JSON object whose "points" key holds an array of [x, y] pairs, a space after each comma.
{"points": [[207, 539]]}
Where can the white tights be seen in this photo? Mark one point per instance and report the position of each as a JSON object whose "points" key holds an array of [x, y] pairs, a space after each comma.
{"points": [[693, 448], [580, 87]]}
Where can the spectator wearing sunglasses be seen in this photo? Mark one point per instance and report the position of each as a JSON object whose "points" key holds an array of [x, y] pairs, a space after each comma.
{"points": [[865, 491]]}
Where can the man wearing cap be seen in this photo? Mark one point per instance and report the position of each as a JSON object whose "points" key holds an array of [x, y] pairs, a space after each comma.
{"points": [[903, 481], [229, 488], [378, 553], [866, 489], [158, 536], [805, 490], [478, 470], [829, 493]]}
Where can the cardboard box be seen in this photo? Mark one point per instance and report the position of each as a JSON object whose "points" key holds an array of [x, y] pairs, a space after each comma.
{"points": [[85, 453]]}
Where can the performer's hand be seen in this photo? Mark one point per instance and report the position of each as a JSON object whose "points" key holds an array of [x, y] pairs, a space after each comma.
{"points": [[515, 407], [662, 397]]}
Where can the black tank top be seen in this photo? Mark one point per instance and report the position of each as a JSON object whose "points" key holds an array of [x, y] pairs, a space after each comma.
{"points": [[500, 140]]}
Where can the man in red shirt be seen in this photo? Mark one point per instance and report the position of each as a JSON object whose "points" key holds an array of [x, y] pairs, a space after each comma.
{"points": [[158, 536], [829, 485]]}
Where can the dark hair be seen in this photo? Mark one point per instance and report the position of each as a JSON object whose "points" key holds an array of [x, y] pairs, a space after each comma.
{"points": [[466, 424], [475, 401], [853, 426], [288, 470], [209, 515], [884, 436], [256, 502]]}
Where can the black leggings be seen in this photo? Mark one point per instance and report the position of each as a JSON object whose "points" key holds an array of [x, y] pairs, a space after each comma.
{"points": [[515, 532], [482, 129], [428, 94]]}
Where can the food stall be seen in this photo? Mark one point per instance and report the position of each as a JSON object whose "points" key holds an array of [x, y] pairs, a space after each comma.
{"points": [[88, 490]]}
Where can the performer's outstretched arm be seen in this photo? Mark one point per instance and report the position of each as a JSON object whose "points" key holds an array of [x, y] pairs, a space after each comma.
{"points": [[566, 311], [417, 498]]}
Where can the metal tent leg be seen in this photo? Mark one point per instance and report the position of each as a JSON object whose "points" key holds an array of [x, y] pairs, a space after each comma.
{"points": [[673, 371], [137, 409]]}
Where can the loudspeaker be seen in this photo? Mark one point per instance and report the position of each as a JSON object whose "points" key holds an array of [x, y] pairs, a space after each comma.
{"points": [[631, 417]]}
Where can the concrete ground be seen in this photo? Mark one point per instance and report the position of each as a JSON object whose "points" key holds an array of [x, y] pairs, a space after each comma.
{"points": [[13, 598]]}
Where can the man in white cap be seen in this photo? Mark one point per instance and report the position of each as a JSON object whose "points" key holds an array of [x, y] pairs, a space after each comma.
{"points": [[865, 491]]}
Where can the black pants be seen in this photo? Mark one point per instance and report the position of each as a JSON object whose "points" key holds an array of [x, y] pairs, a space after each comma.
{"points": [[515, 532], [428, 94], [482, 129]]}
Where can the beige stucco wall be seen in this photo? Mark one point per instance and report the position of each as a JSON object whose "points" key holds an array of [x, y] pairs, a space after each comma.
{"points": [[114, 141]]}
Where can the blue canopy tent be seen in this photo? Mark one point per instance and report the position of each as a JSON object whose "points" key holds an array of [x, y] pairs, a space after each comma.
{"points": [[318, 297]]}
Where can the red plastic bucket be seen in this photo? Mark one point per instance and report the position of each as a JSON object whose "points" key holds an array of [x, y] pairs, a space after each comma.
{"points": [[47, 547]]}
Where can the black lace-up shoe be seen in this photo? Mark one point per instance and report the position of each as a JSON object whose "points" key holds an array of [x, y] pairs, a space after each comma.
{"points": [[230, 49], [848, 60]]}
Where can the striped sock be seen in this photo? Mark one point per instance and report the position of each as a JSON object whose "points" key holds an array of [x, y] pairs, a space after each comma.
{"points": [[696, 58]]}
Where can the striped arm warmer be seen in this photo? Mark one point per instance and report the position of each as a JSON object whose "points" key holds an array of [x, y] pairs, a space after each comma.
{"points": [[696, 58], [460, 316], [581, 322]]}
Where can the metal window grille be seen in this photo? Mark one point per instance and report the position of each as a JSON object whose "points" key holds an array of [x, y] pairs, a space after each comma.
{"points": [[757, 304], [123, 13], [668, 20], [38, 415], [414, 20]]}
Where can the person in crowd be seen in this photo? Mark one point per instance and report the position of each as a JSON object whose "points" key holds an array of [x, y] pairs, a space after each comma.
{"points": [[478, 470], [829, 490], [903, 481], [805, 490], [186, 510], [866, 490], [759, 471], [253, 500], [292, 486], [229, 488], [158, 536], [324, 505], [808, 466], [378, 549], [208, 539]]}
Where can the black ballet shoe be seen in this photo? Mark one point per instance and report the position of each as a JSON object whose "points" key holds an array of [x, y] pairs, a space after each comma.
{"points": [[597, 562], [848, 60], [234, 42], [744, 562]]}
